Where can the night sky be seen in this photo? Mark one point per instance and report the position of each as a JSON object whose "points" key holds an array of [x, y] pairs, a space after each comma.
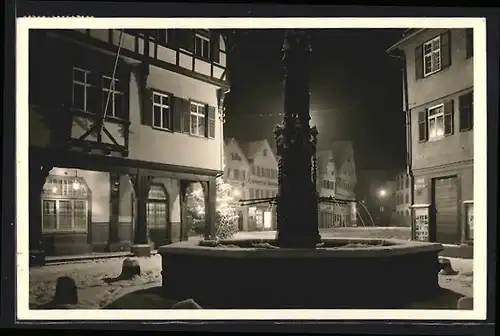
{"points": [[355, 91]]}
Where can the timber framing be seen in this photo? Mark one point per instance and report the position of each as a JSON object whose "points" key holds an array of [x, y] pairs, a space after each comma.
{"points": [[119, 165], [107, 46]]}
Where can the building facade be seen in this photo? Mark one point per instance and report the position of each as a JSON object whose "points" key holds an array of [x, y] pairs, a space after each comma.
{"points": [[130, 119], [439, 105], [329, 213], [402, 197], [262, 183], [237, 172]]}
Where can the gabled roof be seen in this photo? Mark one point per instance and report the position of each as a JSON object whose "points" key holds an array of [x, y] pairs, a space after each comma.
{"points": [[229, 140], [341, 150], [323, 158], [251, 148]]}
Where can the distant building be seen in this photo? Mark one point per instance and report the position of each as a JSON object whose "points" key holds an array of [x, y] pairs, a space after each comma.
{"points": [[342, 155], [402, 197], [329, 214], [252, 169], [237, 172], [439, 86]]}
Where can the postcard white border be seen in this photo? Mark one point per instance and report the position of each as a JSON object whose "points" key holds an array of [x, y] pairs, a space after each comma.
{"points": [[22, 118]]}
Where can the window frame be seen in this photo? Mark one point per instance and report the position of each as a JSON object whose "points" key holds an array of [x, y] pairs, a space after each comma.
{"points": [[86, 85], [113, 93], [435, 118], [162, 107], [154, 201], [198, 115], [198, 36], [432, 54], [61, 197]]}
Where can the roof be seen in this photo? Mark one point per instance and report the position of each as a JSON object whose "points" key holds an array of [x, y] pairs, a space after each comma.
{"points": [[341, 150], [408, 34], [251, 148]]}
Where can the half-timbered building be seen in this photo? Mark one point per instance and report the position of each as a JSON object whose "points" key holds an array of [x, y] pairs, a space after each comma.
{"points": [[121, 122]]}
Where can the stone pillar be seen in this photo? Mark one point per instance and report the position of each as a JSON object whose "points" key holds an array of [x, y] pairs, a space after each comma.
{"points": [[38, 173], [141, 183], [185, 227], [297, 201], [210, 195], [114, 213]]}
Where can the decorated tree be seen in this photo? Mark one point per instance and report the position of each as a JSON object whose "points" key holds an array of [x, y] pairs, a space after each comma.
{"points": [[226, 218]]}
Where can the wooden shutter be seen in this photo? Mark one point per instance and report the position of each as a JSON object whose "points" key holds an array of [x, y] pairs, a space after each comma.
{"points": [[147, 107], [469, 42], [466, 111], [422, 126], [445, 50], [448, 117], [210, 122], [214, 46], [419, 62], [177, 113], [186, 116]]}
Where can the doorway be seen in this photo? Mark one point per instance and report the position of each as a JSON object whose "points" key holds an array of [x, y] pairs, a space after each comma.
{"points": [[446, 227]]}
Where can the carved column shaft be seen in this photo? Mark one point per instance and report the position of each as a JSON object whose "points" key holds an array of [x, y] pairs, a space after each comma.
{"points": [[114, 210], [142, 184]]}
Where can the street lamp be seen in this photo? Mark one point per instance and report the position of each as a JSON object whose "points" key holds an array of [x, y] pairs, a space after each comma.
{"points": [[236, 193], [382, 193]]}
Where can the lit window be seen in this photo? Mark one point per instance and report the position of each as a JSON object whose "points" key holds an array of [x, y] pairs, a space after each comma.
{"points": [[157, 207], [65, 204], [436, 122], [432, 56], [197, 119], [162, 113]]}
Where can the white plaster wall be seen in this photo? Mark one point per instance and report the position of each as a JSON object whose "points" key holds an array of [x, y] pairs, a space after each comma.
{"points": [[152, 145]]}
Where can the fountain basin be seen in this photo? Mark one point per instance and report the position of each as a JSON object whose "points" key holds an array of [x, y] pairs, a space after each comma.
{"points": [[345, 273]]}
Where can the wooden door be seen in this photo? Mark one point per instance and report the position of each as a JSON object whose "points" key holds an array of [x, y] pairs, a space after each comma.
{"points": [[446, 222]]}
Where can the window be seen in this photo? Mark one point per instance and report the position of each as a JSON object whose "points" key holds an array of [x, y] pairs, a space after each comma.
{"points": [[406, 198], [432, 56], [236, 174], [466, 107], [407, 182], [264, 152], [65, 204], [162, 112], [114, 106], [197, 112], [157, 207], [243, 173], [436, 121], [202, 46], [252, 192], [81, 91], [469, 42], [469, 213]]}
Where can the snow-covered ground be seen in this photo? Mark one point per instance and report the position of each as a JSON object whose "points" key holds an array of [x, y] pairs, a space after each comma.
{"points": [[94, 292]]}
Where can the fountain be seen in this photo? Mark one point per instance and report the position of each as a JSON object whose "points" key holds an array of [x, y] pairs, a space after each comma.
{"points": [[298, 269]]}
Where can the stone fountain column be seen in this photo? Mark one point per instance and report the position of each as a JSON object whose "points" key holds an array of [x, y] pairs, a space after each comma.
{"points": [[297, 200]]}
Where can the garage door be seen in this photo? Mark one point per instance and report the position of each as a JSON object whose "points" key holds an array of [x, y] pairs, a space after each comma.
{"points": [[445, 201]]}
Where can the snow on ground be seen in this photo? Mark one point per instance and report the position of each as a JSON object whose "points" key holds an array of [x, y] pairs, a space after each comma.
{"points": [[94, 292], [89, 276]]}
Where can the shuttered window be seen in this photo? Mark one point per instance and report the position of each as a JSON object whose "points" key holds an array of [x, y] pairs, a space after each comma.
{"points": [[466, 110], [433, 56]]}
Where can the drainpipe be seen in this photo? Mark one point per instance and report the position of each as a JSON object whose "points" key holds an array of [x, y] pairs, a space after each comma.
{"points": [[406, 109]]}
